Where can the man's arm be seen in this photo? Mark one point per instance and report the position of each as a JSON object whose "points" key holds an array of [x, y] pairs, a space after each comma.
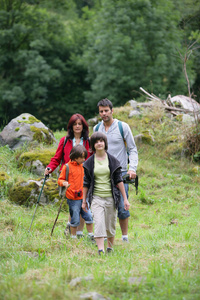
{"points": [[132, 150]]}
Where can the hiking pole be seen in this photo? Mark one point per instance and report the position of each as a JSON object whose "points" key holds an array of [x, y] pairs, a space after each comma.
{"points": [[45, 178], [63, 198]]}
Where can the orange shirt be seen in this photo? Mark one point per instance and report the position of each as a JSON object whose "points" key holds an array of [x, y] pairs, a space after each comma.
{"points": [[75, 179]]}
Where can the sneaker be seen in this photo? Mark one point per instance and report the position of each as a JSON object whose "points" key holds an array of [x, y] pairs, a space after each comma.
{"points": [[109, 250], [67, 231], [125, 239], [91, 238], [79, 236], [100, 252]]}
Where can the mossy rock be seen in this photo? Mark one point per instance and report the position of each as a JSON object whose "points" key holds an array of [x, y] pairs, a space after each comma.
{"points": [[27, 193], [147, 137], [24, 193], [31, 120], [26, 129], [35, 161], [3, 176], [41, 135]]}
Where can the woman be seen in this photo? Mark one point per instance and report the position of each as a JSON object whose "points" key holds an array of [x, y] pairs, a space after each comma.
{"points": [[77, 133], [102, 184]]}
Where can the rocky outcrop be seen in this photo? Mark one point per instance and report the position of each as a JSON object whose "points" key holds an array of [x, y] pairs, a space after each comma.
{"points": [[25, 129]]}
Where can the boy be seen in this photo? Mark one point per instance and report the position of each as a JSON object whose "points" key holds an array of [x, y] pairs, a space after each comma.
{"points": [[74, 192]]}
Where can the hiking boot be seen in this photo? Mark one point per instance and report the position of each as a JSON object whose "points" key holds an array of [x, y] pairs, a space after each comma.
{"points": [[109, 250], [67, 231], [100, 252], [125, 239]]}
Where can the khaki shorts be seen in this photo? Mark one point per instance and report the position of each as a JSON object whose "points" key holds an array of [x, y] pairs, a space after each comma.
{"points": [[104, 216]]}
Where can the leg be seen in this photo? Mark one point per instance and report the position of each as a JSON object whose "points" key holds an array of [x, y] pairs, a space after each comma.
{"points": [[100, 243], [81, 226], [89, 228], [124, 226], [98, 209], [87, 217], [73, 230], [123, 215], [74, 209], [111, 241]]}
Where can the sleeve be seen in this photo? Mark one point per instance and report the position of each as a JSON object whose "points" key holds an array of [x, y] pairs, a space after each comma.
{"points": [[62, 176], [131, 147], [56, 160], [87, 178], [118, 176]]}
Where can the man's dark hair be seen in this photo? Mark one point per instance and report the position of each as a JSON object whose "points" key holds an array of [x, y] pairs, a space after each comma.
{"points": [[96, 136], [78, 151], [105, 102]]}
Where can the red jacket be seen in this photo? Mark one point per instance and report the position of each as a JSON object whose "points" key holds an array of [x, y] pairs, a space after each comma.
{"points": [[56, 160], [75, 179]]}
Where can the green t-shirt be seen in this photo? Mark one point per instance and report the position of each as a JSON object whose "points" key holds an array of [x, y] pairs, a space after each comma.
{"points": [[102, 185]]}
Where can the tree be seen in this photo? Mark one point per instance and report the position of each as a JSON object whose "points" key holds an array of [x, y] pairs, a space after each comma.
{"points": [[134, 43]]}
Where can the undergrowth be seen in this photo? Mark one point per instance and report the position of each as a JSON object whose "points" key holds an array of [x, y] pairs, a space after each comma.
{"points": [[161, 260]]}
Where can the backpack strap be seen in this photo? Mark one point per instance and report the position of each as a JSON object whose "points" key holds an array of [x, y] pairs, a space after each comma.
{"points": [[67, 172], [65, 142], [121, 129], [97, 127]]}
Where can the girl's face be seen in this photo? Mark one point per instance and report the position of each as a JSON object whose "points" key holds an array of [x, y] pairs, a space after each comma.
{"points": [[80, 160], [99, 145], [78, 126]]}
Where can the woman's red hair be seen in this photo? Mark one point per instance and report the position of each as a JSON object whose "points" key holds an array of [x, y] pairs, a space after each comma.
{"points": [[72, 120]]}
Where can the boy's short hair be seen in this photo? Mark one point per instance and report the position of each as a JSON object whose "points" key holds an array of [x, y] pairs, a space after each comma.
{"points": [[105, 102], [96, 136], [78, 151]]}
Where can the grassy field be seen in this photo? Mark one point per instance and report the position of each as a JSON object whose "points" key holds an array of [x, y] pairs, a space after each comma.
{"points": [[161, 260]]}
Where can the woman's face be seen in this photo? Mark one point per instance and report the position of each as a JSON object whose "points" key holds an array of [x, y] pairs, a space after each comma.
{"points": [[78, 126]]}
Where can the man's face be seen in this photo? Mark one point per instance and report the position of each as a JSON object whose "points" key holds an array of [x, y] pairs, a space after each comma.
{"points": [[105, 113]]}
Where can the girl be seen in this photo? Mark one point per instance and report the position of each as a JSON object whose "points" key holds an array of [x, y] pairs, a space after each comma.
{"points": [[102, 185]]}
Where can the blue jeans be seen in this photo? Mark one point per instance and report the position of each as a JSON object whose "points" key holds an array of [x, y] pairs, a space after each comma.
{"points": [[122, 213], [75, 210]]}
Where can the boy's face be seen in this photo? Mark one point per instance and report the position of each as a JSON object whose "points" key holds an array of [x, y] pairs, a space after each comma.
{"points": [[80, 160]]}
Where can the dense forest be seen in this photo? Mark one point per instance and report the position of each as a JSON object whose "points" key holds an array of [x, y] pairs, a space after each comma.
{"points": [[61, 57]]}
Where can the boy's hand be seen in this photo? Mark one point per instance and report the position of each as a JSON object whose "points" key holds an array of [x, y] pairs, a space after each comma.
{"points": [[66, 184], [126, 205], [85, 206]]}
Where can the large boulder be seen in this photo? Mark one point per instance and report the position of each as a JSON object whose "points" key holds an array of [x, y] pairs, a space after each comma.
{"points": [[25, 129], [185, 102]]}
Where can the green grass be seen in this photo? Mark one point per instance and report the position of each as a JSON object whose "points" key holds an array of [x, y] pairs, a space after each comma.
{"points": [[162, 256]]}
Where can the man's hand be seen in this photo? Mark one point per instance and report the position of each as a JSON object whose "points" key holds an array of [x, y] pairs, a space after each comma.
{"points": [[132, 174], [85, 206]]}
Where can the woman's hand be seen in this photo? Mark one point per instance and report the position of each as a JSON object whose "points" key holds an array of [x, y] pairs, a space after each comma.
{"points": [[47, 171], [126, 205]]}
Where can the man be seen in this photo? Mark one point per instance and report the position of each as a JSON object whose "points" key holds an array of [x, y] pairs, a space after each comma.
{"points": [[116, 147]]}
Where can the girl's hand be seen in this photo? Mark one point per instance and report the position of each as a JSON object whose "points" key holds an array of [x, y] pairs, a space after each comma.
{"points": [[126, 205], [85, 206]]}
